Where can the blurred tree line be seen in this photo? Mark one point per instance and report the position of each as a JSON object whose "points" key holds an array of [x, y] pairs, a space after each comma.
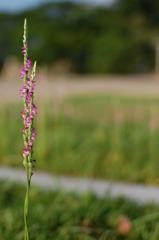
{"points": [[118, 39]]}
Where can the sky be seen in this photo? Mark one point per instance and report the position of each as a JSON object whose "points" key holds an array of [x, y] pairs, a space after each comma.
{"points": [[14, 6]]}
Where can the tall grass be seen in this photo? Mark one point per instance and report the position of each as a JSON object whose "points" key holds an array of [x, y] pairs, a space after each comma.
{"points": [[62, 216], [92, 136]]}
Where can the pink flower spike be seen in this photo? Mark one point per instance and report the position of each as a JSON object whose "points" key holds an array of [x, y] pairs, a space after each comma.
{"points": [[23, 91], [30, 143], [31, 115], [28, 83], [33, 138], [33, 132], [33, 135], [23, 131], [26, 68], [23, 50], [27, 122], [34, 110], [28, 108], [26, 151], [22, 73], [28, 64], [23, 113], [33, 85], [29, 96]]}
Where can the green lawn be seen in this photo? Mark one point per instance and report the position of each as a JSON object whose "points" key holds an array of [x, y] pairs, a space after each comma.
{"points": [[108, 137], [63, 216]]}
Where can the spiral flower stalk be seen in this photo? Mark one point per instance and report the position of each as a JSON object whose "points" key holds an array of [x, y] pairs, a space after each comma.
{"points": [[28, 113]]}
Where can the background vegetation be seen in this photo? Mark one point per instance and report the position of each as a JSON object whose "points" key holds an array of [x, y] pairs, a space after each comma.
{"points": [[90, 136], [118, 39]]}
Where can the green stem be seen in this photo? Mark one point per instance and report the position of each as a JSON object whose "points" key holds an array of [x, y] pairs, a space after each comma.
{"points": [[26, 159], [26, 235]]}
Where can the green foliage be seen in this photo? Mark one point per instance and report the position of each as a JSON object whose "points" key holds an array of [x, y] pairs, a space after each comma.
{"points": [[110, 53], [93, 136], [64, 216], [149, 9], [119, 39]]}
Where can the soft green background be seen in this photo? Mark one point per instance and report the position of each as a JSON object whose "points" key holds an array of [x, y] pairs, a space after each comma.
{"points": [[106, 137]]}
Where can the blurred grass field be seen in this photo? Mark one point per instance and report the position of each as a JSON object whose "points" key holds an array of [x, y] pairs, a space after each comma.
{"points": [[62, 216], [99, 136]]}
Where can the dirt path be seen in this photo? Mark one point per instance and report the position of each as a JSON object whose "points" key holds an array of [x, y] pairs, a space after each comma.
{"points": [[147, 85]]}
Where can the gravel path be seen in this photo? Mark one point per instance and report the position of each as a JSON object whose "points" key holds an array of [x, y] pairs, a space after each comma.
{"points": [[141, 85], [140, 193]]}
